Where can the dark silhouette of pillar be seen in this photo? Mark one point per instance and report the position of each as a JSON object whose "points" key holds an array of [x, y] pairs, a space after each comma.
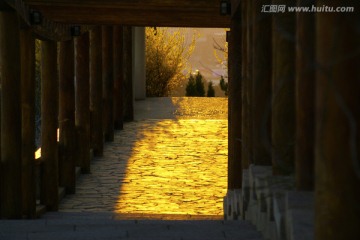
{"points": [[118, 78], [247, 124], [96, 101], [305, 98], [235, 54], [67, 138], [261, 84], [10, 63], [283, 91], [49, 125], [337, 164], [128, 82], [108, 82], [82, 95], [27, 42], [244, 85]]}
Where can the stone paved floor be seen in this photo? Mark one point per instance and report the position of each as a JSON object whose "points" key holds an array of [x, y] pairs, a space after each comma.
{"points": [[171, 160]]}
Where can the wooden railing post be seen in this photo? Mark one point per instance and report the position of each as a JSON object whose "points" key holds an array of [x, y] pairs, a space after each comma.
{"points": [[128, 78], [108, 82], [82, 116], [283, 91], [118, 78], [27, 42], [67, 148], [10, 165], [49, 125], [96, 101]]}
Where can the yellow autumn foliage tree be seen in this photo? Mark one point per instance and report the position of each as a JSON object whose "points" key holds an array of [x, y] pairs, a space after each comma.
{"points": [[167, 54]]}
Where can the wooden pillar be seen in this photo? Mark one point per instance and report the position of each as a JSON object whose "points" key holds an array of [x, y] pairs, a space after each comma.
{"points": [[247, 85], [27, 47], [82, 95], [283, 89], [305, 98], [234, 161], [108, 82], [96, 102], [244, 75], [10, 65], [128, 83], [337, 165], [118, 78], [49, 125], [261, 84], [67, 148]]}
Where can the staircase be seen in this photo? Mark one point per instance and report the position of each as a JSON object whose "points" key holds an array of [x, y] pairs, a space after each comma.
{"points": [[107, 226]]}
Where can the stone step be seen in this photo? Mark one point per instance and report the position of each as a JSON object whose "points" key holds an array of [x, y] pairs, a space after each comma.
{"points": [[75, 226]]}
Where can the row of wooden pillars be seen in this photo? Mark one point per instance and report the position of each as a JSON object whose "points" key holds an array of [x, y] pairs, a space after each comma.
{"points": [[295, 79], [83, 82]]}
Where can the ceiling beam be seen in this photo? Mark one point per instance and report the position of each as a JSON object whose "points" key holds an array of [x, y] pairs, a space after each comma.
{"points": [[172, 13]]}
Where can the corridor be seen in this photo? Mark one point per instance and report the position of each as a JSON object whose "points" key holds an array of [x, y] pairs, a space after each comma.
{"points": [[169, 163]]}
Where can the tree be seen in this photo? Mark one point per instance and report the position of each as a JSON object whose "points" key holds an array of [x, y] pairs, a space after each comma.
{"points": [[195, 86], [210, 91], [221, 54], [166, 60], [191, 87], [200, 86], [224, 85]]}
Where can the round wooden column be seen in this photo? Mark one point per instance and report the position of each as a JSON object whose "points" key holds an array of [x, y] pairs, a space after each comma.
{"points": [[283, 90], [128, 78], [108, 82], [82, 96], [261, 84], [118, 78], [244, 85], [27, 42], [67, 148], [96, 101], [305, 98], [247, 87], [337, 164], [49, 125], [10, 64], [234, 160]]}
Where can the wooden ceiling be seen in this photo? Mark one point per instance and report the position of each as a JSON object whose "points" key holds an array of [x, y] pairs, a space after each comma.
{"points": [[171, 13]]}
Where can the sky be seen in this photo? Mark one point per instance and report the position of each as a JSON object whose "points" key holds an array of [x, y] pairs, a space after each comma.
{"points": [[203, 57]]}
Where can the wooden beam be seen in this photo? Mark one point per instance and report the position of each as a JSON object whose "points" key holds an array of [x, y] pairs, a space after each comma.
{"points": [[49, 125], [96, 101], [128, 78], [67, 142], [46, 30], [118, 78], [82, 95], [283, 88], [27, 42], [261, 84], [10, 65], [305, 98], [184, 13], [108, 82], [337, 165]]}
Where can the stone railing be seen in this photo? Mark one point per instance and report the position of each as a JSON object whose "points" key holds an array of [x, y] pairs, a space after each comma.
{"points": [[272, 205]]}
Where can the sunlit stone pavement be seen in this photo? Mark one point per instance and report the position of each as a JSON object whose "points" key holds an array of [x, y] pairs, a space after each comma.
{"points": [[171, 161]]}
